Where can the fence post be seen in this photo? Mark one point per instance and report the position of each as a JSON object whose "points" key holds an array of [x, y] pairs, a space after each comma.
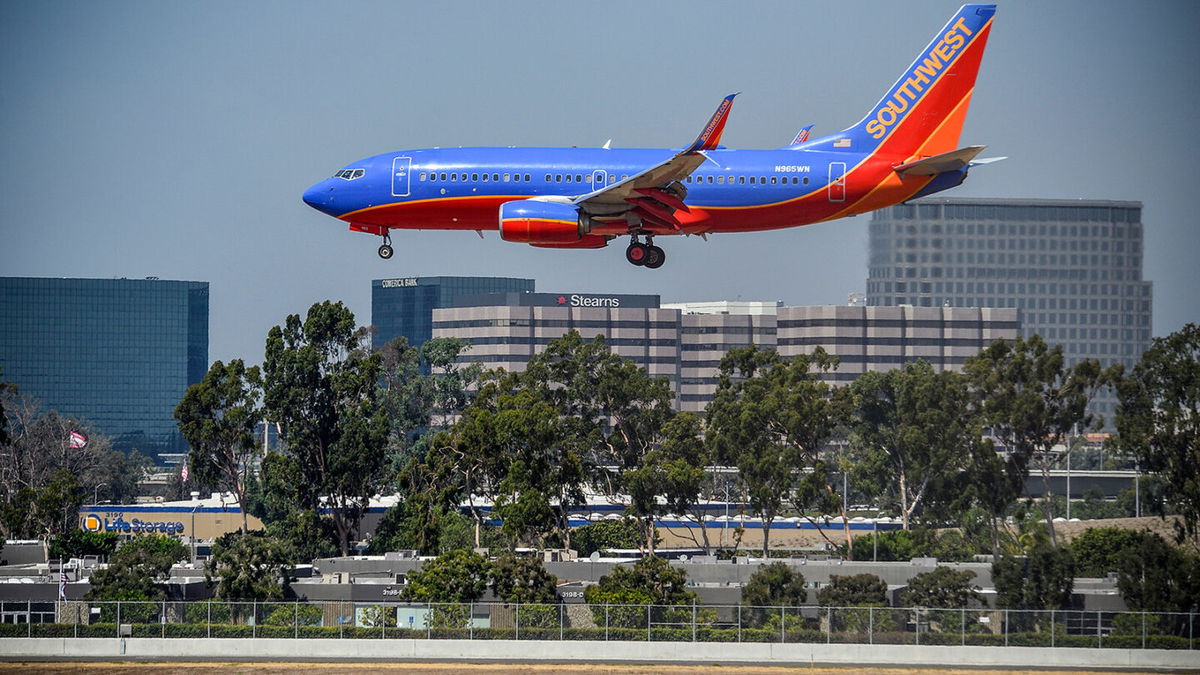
{"points": [[648, 623], [962, 625], [693, 619], [871, 625], [29, 618], [118, 618], [1052, 631], [782, 628], [1006, 627], [518, 614], [341, 624], [470, 621], [162, 619], [1191, 618], [739, 623], [254, 619], [606, 621], [1099, 639], [828, 625], [428, 620], [210, 618], [1143, 630], [296, 619], [917, 612], [562, 609]]}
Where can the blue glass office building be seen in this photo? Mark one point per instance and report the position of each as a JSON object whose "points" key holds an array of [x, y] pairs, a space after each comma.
{"points": [[116, 353], [404, 307]]}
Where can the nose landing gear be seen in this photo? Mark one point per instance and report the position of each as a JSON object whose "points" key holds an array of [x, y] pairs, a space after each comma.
{"points": [[385, 251], [645, 255]]}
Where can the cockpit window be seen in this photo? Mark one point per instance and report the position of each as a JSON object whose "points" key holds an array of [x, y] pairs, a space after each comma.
{"points": [[350, 174]]}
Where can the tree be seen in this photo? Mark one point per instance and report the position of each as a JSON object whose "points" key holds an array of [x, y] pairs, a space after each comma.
{"points": [[673, 472], [913, 432], [522, 579], [320, 386], [218, 417], [1154, 576], [775, 585], [1032, 400], [455, 576], [1098, 550], [78, 543], [137, 568], [650, 581], [944, 588], [1040, 579], [770, 417], [1157, 421], [249, 566], [858, 590], [606, 535]]}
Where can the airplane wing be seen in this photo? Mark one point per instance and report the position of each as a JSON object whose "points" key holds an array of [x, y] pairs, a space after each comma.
{"points": [[646, 192]]}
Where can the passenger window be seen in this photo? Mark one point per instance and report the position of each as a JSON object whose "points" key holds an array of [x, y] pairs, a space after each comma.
{"points": [[422, 175], [587, 179], [710, 180], [762, 179], [454, 178], [475, 178], [578, 178], [568, 178], [527, 179], [547, 178], [485, 178], [752, 180], [558, 178], [772, 180], [741, 180], [805, 180], [443, 176], [505, 178], [721, 179]]}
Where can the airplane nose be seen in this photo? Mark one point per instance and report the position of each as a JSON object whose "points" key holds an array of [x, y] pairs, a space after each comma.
{"points": [[320, 197]]}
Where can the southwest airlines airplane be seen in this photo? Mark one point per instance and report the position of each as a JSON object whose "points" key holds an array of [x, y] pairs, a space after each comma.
{"points": [[905, 147]]}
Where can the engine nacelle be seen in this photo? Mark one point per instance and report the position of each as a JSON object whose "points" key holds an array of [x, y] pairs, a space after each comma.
{"points": [[536, 222]]}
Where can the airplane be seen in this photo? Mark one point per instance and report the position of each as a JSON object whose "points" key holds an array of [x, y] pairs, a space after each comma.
{"points": [[583, 198]]}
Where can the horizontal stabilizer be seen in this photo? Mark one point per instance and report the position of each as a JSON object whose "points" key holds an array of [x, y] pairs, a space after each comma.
{"points": [[931, 166]]}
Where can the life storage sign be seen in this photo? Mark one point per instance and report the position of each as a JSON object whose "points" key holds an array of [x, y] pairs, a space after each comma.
{"points": [[94, 523]]}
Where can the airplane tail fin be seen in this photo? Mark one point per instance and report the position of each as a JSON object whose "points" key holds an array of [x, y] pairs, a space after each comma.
{"points": [[923, 113]]}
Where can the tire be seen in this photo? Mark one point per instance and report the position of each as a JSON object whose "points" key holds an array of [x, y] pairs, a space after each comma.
{"points": [[655, 257], [636, 254], [386, 251]]}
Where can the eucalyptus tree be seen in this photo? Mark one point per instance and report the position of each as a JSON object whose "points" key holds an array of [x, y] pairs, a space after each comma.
{"points": [[913, 430], [770, 417], [1157, 420], [1032, 400], [218, 417], [321, 387]]}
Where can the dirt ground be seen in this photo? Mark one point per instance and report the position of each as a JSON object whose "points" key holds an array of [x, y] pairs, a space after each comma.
{"points": [[801, 539], [111, 668]]}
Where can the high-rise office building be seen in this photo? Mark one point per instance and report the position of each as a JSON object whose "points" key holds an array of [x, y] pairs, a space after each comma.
{"points": [[116, 353], [685, 342], [1072, 267], [404, 307]]}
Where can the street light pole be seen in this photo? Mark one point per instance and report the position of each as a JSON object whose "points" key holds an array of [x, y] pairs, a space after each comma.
{"points": [[96, 492]]}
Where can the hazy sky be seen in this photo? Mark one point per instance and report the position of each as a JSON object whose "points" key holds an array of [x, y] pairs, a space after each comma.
{"points": [[174, 139]]}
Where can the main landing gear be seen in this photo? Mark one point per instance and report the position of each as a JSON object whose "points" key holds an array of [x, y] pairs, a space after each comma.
{"points": [[645, 255], [385, 251]]}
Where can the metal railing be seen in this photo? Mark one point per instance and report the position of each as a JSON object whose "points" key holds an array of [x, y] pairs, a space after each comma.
{"points": [[678, 623]]}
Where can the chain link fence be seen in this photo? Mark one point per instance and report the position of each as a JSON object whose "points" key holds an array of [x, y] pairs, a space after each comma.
{"points": [[681, 623]]}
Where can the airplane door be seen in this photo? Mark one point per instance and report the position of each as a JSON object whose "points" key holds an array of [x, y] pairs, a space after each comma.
{"points": [[400, 169], [837, 181], [599, 179]]}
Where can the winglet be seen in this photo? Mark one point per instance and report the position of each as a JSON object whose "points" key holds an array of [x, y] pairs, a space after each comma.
{"points": [[711, 136], [802, 136]]}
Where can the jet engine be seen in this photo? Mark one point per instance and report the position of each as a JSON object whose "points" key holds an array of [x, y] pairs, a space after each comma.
{"points": [[530, 221]]}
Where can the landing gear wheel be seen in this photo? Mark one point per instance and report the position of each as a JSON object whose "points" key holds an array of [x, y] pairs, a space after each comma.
{"points": [[637, 253], [386, 251], [655, 257]]}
